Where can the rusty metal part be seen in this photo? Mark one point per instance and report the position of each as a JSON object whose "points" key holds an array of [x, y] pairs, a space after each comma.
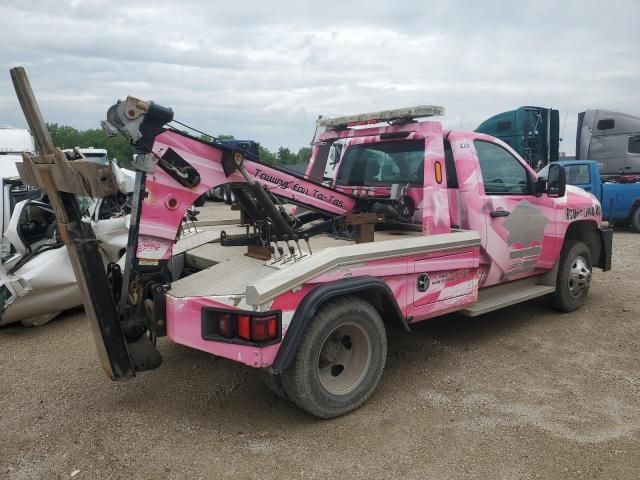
{"points": [[258, 251]]}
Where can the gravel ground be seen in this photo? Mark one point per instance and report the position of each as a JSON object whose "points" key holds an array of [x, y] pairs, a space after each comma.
{"points": [[520, 393]]}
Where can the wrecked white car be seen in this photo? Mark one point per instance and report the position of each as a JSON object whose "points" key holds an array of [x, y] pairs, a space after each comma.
{"points": [[37, 282], [36, 279]]}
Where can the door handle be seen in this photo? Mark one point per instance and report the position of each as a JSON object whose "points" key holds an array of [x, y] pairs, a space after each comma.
{"points": [[499, 213]]}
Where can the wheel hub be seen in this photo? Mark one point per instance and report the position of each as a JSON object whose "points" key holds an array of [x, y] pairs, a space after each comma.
{"points": [[344, 359], [579, 276]]}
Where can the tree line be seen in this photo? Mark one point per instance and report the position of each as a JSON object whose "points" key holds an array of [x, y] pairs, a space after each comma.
{"points": [[64, 136]]}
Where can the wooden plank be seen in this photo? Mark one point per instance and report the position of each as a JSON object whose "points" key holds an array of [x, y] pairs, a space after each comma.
{"points": [[83, 177], [26, 171], [363, 224], [32, 113], [61, 179], [80, 177]]}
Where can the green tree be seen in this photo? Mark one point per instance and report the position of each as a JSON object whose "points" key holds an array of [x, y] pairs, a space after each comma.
{"points": [[285, 156], [118, 147], [303, 156], [266, 155]]}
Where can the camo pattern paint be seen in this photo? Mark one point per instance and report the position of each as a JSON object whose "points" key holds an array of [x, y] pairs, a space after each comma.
{"points": [[529, 240], [453, 284], [513, 247]]}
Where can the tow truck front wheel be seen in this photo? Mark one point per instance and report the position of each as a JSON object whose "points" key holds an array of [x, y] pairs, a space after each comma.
{"points": [[340, 360], [574, 277]]}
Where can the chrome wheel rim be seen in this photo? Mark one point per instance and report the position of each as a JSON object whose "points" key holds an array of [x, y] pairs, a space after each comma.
{"points": [[344, 359], [579, 276]]}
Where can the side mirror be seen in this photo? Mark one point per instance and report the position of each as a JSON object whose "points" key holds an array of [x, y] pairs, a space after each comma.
{"points": [[556, 181]]}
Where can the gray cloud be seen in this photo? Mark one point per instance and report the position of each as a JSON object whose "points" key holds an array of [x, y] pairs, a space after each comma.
{"points": [[266, 72]]}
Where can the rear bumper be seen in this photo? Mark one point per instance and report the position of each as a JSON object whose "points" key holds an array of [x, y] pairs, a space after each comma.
{"points": [[184, 327], [606, 247]]}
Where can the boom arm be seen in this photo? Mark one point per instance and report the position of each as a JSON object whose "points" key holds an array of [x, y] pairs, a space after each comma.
{"points": [[179, 168]]}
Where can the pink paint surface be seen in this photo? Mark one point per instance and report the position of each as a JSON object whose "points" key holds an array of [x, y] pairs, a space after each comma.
{"points": [[506, 252], [184, 327]]}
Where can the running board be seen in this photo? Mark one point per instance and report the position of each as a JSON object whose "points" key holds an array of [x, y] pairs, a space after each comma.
{"points": [[504, 295]]}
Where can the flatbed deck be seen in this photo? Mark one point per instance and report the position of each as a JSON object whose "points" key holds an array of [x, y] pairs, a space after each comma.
{"points": [[225, 270]]}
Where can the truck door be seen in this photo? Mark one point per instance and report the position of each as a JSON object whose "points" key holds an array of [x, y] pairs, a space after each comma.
{"points": [[518, 238]]}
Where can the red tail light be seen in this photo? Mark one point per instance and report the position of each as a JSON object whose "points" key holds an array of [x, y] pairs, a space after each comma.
{"points": [[240, 327], [244, 327], [264, 328], [224, 325]]}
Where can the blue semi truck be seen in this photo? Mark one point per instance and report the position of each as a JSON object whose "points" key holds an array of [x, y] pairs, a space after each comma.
{"points": [[620, 200]]}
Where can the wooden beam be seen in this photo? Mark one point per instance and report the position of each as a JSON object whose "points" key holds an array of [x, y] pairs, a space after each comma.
{"points": [[363, 224], [62, 179], [32, 113], [81, 177]]}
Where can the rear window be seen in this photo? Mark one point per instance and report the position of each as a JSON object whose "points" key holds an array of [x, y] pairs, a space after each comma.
{"points": [[577, 174], [383, 163], [97, 157]]}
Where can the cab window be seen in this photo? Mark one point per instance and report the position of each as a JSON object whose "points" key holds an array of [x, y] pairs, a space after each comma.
{"points": [[502, 173], [383, 163], [577, 174]]}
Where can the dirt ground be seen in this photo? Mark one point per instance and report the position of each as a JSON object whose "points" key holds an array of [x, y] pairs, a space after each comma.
{"points": [[520, 393]]}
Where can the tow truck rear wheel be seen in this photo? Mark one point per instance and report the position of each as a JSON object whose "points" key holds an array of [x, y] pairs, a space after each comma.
{"points": [[340, 360], [574, 277]]}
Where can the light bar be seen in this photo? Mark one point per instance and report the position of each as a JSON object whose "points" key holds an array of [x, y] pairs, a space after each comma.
{"points": [[382, 116]]}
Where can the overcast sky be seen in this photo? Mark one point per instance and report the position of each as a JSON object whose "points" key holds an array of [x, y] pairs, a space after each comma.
{"points": [[266, 70]]}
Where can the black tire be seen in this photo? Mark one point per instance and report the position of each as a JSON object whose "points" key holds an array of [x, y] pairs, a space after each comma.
{"points": [[635, 219], [274, 383], [200, 201], [574, 277], [346, 337]]}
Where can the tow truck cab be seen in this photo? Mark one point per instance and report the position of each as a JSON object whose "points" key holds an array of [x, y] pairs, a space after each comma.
{"points": [[490, 189]]}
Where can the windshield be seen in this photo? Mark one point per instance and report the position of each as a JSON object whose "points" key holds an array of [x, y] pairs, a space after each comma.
{"points": [[97, 157], [383, 163]]}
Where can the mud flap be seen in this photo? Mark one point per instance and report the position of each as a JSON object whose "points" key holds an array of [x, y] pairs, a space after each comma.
{"points": [[606, 247]]}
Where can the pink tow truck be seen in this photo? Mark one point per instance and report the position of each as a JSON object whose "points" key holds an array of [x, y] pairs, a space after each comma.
{"points": [[289, 294]]}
